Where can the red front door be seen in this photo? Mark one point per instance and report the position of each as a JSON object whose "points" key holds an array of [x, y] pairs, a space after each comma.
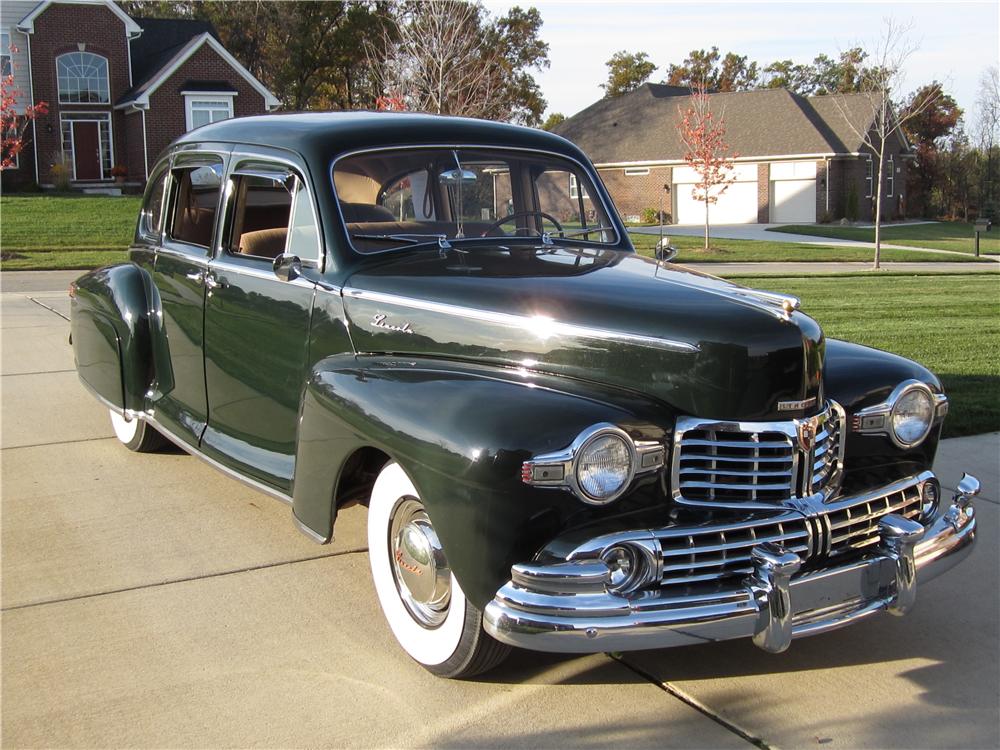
{"points": [[86, 150]]}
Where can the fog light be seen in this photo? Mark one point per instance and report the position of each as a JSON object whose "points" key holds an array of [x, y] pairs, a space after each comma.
{"points": [[930, 495], [627, 568]]}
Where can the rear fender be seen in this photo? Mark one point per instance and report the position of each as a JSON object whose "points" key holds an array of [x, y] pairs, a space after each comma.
{"points": [[461, 432], [109, 320]]}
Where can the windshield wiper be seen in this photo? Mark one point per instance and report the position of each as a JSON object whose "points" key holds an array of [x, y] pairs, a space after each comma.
{"points": [[441, 239]]}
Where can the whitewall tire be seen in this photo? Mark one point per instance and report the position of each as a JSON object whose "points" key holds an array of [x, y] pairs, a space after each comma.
{"points": [[135, 433], [422, 600]]}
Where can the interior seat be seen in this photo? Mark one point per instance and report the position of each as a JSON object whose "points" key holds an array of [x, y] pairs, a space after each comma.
{"points": [[264, 243]]}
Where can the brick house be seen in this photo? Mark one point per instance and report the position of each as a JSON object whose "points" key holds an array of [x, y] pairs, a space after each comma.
{"points": [[119, 88], [799, 160]]}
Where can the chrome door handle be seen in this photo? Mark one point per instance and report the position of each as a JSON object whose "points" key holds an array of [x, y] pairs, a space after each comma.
{"points": [[196, 276], [213, 283]]}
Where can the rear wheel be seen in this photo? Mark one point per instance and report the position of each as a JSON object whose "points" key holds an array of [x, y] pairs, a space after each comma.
{"points": [[420, 597], [135, 433]]}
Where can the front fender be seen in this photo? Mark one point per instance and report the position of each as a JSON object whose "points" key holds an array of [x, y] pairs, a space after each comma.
{"points": [[109, 320], [857, 377], [461, 432]]}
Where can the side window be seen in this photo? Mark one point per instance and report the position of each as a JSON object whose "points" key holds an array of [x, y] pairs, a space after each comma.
{"points": [[303, 239], [196, 201], [151, 221], [260, 218], [272, 211], [408, 198]]}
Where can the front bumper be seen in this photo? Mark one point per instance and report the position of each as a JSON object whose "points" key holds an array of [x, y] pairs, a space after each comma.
{"points": [[567, 607]]}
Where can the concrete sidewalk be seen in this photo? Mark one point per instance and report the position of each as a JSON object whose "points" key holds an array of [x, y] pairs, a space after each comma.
{"points": [[761, 233], [148, 601]]}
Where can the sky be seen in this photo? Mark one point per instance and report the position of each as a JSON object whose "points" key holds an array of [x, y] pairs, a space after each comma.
{"points": [[957, 40]]}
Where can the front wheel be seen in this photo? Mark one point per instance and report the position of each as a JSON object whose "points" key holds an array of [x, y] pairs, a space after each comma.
{"points": [[420, 597], [135, 433]]}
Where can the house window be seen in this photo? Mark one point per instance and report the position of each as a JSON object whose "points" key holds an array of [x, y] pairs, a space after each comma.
{"points": [[83, 78], [6, 66], [574, 189], [890, 179], [103, 120], [636, 171], [869, 175], [204, 110]]}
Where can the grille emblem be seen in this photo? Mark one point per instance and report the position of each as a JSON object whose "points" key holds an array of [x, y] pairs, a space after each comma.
{"points": [[807, 436]]}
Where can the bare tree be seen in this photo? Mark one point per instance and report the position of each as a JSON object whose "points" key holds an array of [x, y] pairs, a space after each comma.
{"points": [[883, 119], [703, 134], [987, 134], [434, 61]]}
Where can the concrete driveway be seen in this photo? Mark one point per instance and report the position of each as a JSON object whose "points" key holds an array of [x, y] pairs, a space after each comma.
{"points": [[149, 601]]}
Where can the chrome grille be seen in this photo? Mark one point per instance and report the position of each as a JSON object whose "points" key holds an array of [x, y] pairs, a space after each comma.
{"points": [[710, 552], [855, 526], [715, 551], [732, 463]]}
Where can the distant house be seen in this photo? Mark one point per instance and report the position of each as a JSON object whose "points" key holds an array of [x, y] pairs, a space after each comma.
{"points": [[799, 160], [119, 88]]}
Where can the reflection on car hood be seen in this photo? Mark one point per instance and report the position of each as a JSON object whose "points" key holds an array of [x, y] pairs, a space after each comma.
{"points": [[700, 344]]}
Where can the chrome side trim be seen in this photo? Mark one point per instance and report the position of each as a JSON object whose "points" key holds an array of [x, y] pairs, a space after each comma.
{"points": [[232, 474], [539, 324], [319, 539], [222, 266]]}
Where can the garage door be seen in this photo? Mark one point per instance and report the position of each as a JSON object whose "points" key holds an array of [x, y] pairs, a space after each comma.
{"points": [[737, 205], [793, 193]]}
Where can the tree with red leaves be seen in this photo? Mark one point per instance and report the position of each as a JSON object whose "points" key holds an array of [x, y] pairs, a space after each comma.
{"points": [[14, 124], [703, 134]]}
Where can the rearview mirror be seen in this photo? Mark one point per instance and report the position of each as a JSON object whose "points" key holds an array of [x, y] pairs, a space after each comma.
{"points": [[457, 176], [287, 267]]}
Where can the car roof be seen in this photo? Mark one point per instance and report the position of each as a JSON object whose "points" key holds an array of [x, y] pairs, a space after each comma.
{"points": [[323, 135]]}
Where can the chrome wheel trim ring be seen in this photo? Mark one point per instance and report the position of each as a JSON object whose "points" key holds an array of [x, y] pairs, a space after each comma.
{"points": [[125, 429], [419, 567]]}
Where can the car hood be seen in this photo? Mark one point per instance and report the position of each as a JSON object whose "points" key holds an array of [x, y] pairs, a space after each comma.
{"points": [[702, 345]]}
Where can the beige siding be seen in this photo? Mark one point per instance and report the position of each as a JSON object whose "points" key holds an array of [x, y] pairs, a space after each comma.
{"points": [[11, 12]]}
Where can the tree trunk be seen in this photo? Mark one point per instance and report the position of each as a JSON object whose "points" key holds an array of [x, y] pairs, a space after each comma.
{"points": [[706, 221], [878, 216]]}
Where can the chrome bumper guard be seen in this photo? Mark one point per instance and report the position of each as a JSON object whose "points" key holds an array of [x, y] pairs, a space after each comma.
{"points": [[567, 607]]}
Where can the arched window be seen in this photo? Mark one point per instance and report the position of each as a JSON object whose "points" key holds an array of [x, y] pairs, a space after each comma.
{"points": [[83, 78]]}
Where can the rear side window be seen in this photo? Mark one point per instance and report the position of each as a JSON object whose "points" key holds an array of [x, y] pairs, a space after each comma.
{"points": [[151, 220], [196, 202]]}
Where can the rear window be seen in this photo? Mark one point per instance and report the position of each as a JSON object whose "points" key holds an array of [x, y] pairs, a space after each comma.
{"points": [[151, 219]]}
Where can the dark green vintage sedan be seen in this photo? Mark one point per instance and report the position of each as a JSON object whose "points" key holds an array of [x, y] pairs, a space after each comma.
{"points": [[563, 446]]}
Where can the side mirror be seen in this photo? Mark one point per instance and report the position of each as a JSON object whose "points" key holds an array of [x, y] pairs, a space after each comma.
{"points": [[665, 251], [287, 267]]}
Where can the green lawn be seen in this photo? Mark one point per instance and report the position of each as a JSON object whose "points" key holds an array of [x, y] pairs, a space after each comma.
{"points": [[943, 235], [85, 222], [743, 251], [950, 324]]}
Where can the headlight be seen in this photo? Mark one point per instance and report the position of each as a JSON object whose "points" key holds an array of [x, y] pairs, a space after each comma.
{"points": [[604, 466], [912, 416]]}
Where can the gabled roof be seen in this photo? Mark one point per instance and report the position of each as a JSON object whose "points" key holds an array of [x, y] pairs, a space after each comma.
{"points": [[139, 94], [641, 126], [27, 24], [162, 38]]}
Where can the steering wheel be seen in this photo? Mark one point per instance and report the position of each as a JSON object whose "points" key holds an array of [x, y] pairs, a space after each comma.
{"points": [[509, 217]]}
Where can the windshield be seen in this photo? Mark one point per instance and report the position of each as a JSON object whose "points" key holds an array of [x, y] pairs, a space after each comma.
{"points": [[405, 197]]}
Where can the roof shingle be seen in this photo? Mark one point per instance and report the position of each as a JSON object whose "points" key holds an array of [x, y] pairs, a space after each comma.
{"points": [[642, 125]]}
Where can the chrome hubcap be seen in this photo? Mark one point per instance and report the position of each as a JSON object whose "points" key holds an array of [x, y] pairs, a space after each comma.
{"points": [[419, 567]]}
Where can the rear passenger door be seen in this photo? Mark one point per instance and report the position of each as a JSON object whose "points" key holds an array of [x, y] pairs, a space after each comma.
{"points": [[256, 324], [179, 274]]}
